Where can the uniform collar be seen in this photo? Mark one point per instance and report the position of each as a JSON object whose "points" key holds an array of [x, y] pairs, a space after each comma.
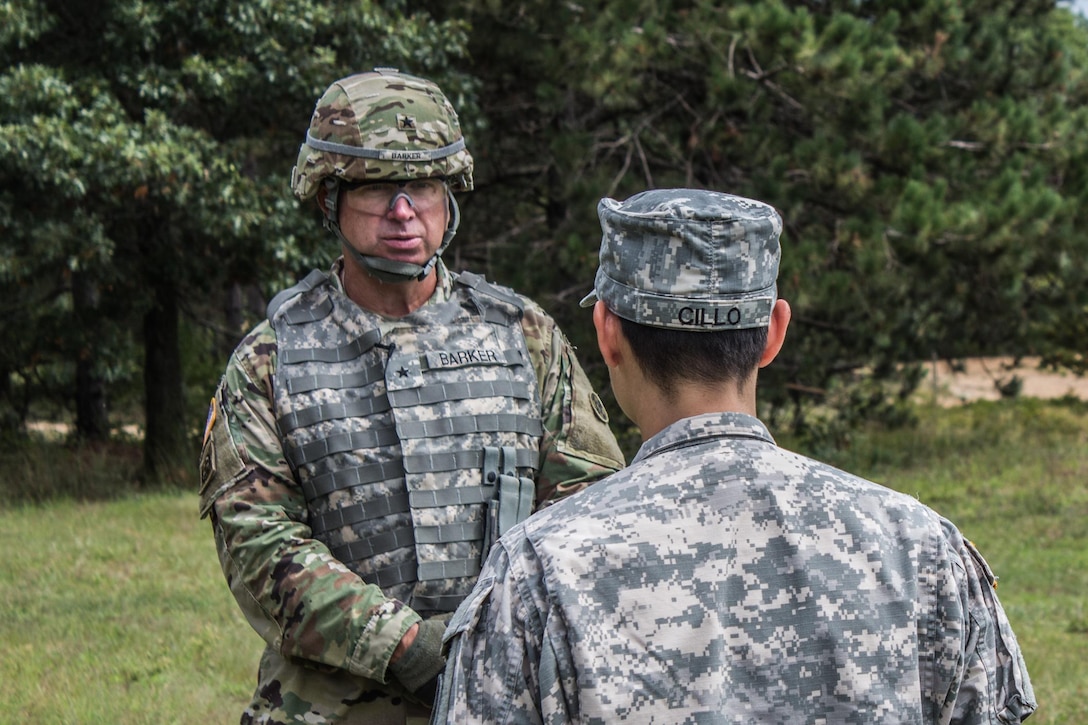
{"points": [[689, 431]]}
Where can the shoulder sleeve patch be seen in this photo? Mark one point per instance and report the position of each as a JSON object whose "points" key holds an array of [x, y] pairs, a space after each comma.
{"points": [[213, 413], [597, 404], [220, 462]]}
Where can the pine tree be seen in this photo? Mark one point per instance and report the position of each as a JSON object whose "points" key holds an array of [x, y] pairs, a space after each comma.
{"points": [[145, 153], [928, 160]]}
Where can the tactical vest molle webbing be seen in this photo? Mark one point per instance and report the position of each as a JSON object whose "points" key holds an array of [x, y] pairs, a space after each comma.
{"points": [[415, 448]]}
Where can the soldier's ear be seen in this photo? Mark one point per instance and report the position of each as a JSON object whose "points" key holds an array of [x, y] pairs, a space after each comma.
{"points": [[776, 331], [322, 194], [609, 334]]}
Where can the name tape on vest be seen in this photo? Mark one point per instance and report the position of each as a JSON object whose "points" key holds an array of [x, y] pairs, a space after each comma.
{"points": [[460, 358]]}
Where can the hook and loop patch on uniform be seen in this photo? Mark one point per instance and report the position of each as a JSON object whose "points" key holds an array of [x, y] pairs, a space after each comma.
{"points": [[597, 404], [220, 461]]}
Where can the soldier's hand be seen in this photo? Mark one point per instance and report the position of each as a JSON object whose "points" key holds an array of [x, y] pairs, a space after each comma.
{"points": [[417, 667]]}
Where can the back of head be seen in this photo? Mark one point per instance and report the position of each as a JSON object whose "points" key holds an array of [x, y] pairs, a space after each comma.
{"points": [[692, 273]]}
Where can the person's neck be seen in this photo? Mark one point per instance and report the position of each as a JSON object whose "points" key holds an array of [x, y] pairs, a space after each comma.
{"points": [[656, 410], [390, 299]]}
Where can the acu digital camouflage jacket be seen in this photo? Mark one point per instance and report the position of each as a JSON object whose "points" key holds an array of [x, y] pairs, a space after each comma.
{"points": [[721, 579]]}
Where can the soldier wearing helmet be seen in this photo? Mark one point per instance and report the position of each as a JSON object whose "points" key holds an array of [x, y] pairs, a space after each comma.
{"points": [[386, 423]]}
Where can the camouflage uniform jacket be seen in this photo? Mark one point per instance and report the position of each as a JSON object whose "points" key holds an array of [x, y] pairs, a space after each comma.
{"points": [[329, 635], [721, 579]]}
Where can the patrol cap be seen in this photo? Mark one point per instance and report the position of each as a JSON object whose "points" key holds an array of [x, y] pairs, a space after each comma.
{"points": [[688, 259]]}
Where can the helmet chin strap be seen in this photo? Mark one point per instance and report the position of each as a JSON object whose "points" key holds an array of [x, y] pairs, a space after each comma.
{"points": [[383, 269]]}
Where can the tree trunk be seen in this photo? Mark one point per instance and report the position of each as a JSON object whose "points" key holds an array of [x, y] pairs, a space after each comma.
{"points": [[164, 444], [235, 318], [12, 416], [92, 406], [92, 409]]}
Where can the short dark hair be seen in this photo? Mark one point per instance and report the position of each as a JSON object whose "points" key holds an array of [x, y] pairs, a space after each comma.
{"points": [[667, 356]]}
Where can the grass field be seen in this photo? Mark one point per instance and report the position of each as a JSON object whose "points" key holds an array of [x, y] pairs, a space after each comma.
{"points": [[115, 611]]}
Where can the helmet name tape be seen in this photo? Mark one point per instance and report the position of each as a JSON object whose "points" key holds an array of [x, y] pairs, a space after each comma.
{"points": [[385, 154]]}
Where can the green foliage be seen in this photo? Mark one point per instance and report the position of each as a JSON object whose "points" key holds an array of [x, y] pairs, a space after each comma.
{"points": [[145, 152], [928, 160]]}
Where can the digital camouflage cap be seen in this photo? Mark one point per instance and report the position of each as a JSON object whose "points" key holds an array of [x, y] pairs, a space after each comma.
{"points": [[379, 125], [688, 259]]}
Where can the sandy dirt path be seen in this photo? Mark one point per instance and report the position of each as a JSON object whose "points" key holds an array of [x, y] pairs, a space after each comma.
{"points": [[977, 380]]}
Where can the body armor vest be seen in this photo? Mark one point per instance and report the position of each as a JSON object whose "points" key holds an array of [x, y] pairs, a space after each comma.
{"points": [[415, 448]]}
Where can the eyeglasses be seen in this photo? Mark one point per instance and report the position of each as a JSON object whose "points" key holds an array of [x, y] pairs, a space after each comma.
{"points": [[378, 197]]}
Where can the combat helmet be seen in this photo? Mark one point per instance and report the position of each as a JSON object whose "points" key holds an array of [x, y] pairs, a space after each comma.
{"points": [[382, 125]]}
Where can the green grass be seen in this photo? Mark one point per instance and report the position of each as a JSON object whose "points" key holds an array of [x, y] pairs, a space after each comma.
{"points": [[115, 611]]}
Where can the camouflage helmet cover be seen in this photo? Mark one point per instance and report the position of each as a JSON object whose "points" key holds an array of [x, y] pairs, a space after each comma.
{"points": [[379, 125]]}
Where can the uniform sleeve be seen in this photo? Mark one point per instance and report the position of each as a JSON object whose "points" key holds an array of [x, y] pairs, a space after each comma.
{"points": [[578, 446], [292, 590], [501, 666], [992, 678]]}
